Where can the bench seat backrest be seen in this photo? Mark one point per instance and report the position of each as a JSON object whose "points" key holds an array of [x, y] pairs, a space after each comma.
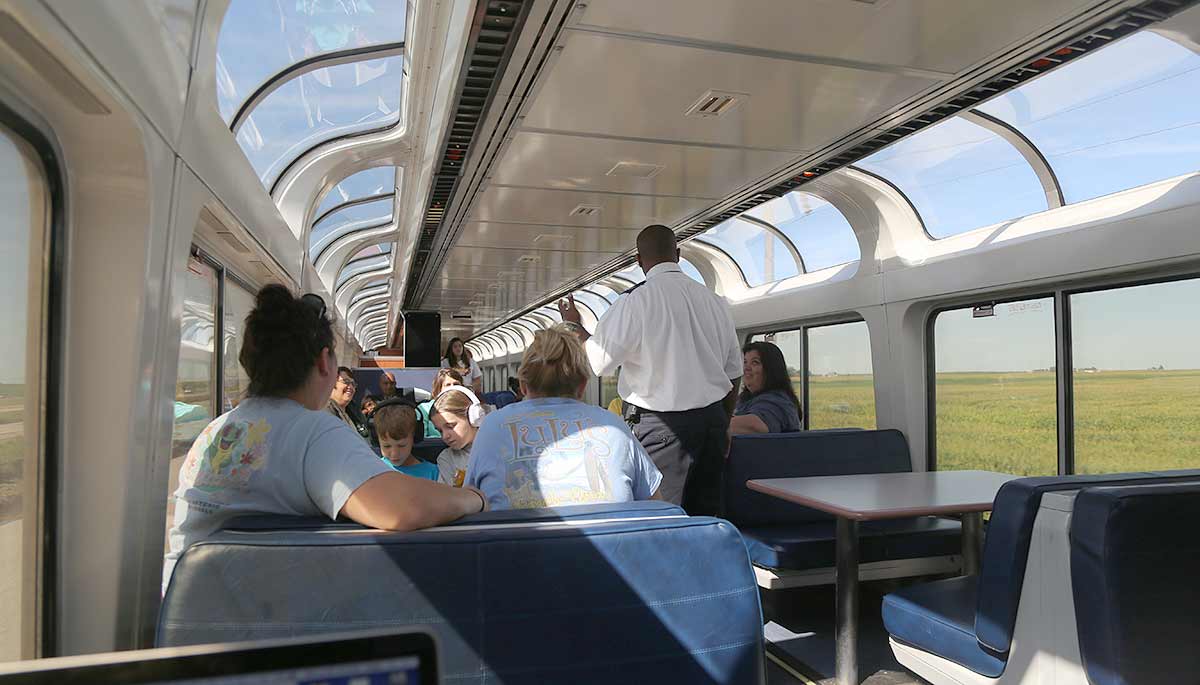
{"points": [[659, 597], [1135, 560], [795, 455], [1006, 549]]}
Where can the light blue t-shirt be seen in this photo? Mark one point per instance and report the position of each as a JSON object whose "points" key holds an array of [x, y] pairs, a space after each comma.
{"points": [[555, 451], [421, 469], [267, 456]]}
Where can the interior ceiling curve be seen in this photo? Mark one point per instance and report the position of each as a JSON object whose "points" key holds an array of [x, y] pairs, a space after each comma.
{"points": [[604, 140]]}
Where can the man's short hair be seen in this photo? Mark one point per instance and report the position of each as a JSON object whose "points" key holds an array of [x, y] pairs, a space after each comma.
{"points": [[656, 243], [395, 422]]}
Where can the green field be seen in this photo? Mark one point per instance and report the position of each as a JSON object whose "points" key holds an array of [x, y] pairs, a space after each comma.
{"points": [[1006, 422]]}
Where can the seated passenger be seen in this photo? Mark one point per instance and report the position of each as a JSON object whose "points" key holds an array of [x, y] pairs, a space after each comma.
{"points": [[768, 401], [514, 386], [340, 396], [396, 428], [278, 452], [387, 386], [366, 426], [458, 413], [368, 404], [553, 449], [443, 379]]}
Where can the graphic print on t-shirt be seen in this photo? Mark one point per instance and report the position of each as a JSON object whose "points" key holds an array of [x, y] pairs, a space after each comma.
{"points": [[555, 462], [226, 455]]}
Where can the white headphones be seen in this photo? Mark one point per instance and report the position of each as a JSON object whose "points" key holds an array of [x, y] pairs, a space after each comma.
{"points": [[475, 412]]}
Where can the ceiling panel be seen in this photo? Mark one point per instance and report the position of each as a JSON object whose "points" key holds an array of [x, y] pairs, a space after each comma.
{"points": [[544, 238], [573, 162], [790, 105], [555, 207], [941, 35], [548, 262]]}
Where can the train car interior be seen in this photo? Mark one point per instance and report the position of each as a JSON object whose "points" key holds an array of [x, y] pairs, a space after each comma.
{"points": [[969, 228]]}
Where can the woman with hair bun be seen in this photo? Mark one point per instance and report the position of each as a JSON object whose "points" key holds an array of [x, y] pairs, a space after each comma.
{"points": [[280, 452], [551, 449]]}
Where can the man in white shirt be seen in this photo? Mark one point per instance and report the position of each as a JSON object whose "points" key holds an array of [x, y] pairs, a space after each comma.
{"points": [[681, 364]]}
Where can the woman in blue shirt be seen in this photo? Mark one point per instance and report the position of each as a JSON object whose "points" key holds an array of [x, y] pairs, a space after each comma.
{"points": [[551, 449], [768, 402]]}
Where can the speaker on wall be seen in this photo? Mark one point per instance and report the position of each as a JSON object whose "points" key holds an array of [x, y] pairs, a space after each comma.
{"points": [[422, 339]]}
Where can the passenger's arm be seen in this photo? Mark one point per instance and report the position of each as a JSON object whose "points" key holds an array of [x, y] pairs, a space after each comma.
{"points": [[394, 501], [746, 424], [731, 398]]}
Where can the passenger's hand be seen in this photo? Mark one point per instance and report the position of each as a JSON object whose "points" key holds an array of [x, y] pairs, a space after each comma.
{"points": [[569, 312]]}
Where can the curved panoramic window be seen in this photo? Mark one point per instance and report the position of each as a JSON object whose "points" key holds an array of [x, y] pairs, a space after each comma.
{"points": [[603, 291], [362, 266], [318, 106], [959, 176], [372, 250], [762, 257], [634, 273], [365, 185], [347, 220], [260, 39], [597, 304], [818, 230], [1118, 118]]}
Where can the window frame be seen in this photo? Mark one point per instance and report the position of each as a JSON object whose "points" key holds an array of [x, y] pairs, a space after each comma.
{"points": [[39, 632], [802, 328], [1063, 352]]}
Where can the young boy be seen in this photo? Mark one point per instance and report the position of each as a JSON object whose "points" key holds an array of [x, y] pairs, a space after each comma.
{"points": [[395, 426]]}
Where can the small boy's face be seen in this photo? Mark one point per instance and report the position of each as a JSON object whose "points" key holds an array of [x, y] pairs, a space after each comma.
{"points": [[396, 450], [368, 406]]}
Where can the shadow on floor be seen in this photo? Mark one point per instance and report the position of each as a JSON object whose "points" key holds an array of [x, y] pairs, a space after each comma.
{"points": [[799, 635]]}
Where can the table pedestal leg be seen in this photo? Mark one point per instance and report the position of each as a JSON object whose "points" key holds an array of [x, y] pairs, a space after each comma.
{"points": [[972, 542], [847, 603]]}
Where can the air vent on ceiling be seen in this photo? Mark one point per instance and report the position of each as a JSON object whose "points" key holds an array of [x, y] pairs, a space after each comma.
{"points": [[585, 210], [716, 103], [528, 259], [552, 238], [635, 170], [461, 315], [263, 270]]}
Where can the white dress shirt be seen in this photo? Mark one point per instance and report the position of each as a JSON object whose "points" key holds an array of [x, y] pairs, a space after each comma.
{"points": [[674, 340]]}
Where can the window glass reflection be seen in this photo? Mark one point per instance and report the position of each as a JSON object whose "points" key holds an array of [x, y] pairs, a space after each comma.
{"points": [[761, 256], [818, 230], [1136, 353], [841, 383], [1123, 116], [259, 38], [996, 395], [22, 230], [318, 106], [959, 176], [195, 380], [238, 303], [368, 183]]}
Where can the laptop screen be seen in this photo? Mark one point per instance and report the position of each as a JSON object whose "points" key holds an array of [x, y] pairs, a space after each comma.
{"points": [[359, 659]]}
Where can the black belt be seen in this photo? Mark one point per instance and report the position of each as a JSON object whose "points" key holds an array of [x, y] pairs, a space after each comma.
{"points": [[633, 413]]}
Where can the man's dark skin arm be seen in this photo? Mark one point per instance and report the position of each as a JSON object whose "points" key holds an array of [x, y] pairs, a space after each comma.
{"points": [[730, 400]]}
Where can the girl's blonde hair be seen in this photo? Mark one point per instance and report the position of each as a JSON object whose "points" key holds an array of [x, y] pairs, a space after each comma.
{"points": [[452, 402], [555, 365]]}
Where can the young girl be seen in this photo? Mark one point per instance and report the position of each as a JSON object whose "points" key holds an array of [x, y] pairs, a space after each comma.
{"points": [[457, 413], [458, 357]]}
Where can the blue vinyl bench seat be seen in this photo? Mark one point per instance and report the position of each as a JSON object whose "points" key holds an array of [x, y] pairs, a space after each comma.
{"points": [[786, 537], [939, 617], [971, 620], [633, 592], [806, 546], [1135, 557]]}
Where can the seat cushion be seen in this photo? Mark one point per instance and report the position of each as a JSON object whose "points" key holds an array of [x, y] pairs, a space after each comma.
{"points": [[939, 618], [795, 455], [1134, 560], [803, 546], [1007, 547]]}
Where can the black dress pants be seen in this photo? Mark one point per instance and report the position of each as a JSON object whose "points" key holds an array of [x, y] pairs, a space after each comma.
{"points": [[688, 447]]}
